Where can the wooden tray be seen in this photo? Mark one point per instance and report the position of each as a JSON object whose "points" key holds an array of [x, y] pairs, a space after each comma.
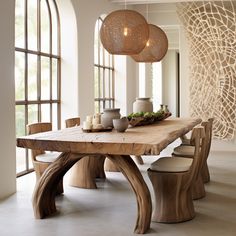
{"points": [[138, 121], [96, 130]]}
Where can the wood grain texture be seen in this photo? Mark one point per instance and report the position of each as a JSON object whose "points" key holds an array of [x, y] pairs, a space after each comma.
{"points": [[198, 190], [71, 122], [173, 203], [84, 172], [75, 144], [205, 173], [110, 166], [173, 190], [142, 140], [39, 166], [205, 170], [139, 160], [133, 175], [46, 187]]}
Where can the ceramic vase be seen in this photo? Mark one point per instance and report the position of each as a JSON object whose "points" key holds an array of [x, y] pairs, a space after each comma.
{"points": [[108, 115], [142, 105], [121, 124]]}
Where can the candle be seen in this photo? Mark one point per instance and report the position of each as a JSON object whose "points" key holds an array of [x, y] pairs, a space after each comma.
{"points": [[89, 119], [95, 121], [87, 125], [98, 116]]}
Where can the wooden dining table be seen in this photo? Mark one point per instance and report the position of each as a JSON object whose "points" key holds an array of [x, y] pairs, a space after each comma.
{"points": [[74, 144]]}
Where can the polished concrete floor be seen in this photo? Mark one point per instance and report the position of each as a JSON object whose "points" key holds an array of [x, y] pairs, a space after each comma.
{"points": [[111, 209]]}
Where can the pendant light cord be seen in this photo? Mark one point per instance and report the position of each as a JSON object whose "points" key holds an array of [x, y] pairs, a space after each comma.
{"points": [[147, 12]]}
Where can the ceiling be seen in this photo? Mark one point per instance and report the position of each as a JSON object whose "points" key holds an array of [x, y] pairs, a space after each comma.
{"points": [[154, 1]]}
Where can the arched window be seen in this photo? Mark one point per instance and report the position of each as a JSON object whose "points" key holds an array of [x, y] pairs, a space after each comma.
{"points": [[37, 68], [103, 73]]}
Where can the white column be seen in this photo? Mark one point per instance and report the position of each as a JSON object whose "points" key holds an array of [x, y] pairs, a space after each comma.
{"points": [[7, 100]]}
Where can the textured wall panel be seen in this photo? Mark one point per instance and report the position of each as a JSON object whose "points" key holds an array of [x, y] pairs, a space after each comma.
{"points": [[211, 33]]}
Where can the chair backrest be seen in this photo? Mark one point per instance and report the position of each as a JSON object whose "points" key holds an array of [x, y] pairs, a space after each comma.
{"points": [[72, 122], [198, 139], [38, 128], [209, 134]]}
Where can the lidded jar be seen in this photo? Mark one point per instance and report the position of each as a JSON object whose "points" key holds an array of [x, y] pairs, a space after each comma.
{"points": [[108, 115], [142, 105]]}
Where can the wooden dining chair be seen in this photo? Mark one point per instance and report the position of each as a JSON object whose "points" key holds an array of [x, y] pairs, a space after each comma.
{"points": [[185, 140], [86, 170], [41, 159], [70, 122], [172, 179], [187, 150]]}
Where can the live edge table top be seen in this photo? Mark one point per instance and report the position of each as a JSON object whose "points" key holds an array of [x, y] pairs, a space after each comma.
{"points": [[141, 140]]}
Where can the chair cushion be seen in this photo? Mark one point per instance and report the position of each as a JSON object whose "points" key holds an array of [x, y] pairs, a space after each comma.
{"points": [[48, 157], [171, 164], [184, 151]]}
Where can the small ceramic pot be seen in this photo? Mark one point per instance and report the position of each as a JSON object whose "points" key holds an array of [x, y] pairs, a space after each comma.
{"points": [[121, 124], [108, 115]]}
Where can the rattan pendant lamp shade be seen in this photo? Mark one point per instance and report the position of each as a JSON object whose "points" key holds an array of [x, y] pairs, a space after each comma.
{"points": [[156, 46], [124, 32]]}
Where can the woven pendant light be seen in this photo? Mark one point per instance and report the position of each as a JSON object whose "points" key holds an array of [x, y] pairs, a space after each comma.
{"points": [[156, 46], [124, 32]]}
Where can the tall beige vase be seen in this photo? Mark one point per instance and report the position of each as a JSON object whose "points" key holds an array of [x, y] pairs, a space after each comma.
{"points": [[142, 105]]}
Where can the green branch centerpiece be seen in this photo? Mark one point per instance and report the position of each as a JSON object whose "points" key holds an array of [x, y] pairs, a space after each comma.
{"points": [[147, 118]]}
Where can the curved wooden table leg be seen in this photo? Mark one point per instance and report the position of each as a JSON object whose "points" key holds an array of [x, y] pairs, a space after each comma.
{"points": [[110, 166], [135, 178], [45, 189], [139, 160], [99, 167], [86, 170]]}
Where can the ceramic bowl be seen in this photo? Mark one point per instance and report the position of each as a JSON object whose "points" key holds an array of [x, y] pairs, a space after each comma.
{"points": [[121, 124]]}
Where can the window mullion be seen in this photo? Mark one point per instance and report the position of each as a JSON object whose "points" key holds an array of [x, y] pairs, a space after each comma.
{"points": [[26, 63], [103, 77], [105, 73], [113, 82], [99, 70], [58, 67], [26, 81], [50, 60], [39, 58]]}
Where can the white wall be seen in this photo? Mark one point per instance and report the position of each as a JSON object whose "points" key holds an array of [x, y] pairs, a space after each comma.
{"points": [[69, 63], [148, 82], [169, 81], [7, 100], [87, 12], [132, 78], [164, 16]]}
